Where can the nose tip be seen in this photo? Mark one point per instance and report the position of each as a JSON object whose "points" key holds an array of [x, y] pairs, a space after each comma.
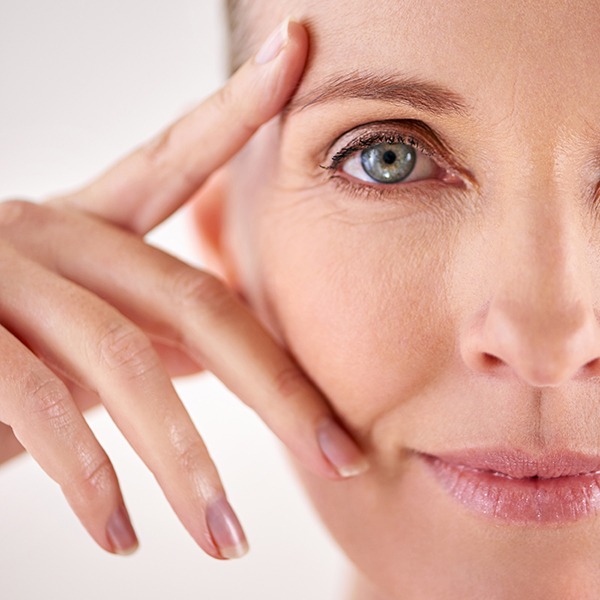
{"points": [[543, 350]]}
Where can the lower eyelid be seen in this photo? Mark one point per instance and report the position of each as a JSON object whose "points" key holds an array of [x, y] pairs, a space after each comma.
{"points": [[429, 195]]}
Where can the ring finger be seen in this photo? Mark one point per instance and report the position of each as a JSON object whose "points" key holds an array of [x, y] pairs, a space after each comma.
{"points": [[97, 345]]}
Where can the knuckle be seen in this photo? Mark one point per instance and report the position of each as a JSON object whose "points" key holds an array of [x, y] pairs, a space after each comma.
{"points": [[225, 98], [157, 153], [158, 157], [229, 101], [198, 289], [289, 381], [122, 347], [190, 455], [95, 479], [46, 398], [98, 475]]}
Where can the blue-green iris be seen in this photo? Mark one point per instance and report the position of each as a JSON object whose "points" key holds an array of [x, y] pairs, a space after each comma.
{"points": [[389, 163]]}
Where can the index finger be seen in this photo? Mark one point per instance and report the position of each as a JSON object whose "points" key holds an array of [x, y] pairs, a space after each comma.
{"points": [[144, 188]]}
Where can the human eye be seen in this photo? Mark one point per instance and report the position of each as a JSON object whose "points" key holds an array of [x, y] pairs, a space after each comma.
{"points": [[384, 157], [389, 163]]}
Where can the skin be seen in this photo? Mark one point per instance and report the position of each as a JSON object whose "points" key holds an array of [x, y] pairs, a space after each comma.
{"points": [[112, 319], [441, 317], [444, 315]]}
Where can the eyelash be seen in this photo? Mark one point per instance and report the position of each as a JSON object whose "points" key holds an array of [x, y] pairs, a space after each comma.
{"points": [[372, 138]]}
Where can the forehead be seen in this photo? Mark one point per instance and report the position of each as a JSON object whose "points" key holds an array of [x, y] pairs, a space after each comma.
{"points": [[541, 55]]}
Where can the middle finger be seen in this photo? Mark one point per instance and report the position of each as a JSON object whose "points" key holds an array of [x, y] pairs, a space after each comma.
{"points": [[173, 300]]}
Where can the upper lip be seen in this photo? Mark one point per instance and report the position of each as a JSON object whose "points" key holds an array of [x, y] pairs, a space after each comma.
{"points": [[520, 464]]}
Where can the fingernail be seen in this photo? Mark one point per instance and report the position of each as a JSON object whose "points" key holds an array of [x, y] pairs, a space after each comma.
{"points": [[225, 529], [274, 44], [120, 532], [340, 449]]}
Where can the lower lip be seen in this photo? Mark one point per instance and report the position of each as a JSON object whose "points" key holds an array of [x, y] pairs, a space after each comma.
{"points": [[519, 501]]}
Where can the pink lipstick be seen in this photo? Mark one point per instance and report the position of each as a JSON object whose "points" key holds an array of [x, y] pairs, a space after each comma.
{"points": [[515, 487]]}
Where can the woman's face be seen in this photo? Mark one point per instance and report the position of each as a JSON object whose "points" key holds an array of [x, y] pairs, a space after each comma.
{"points": [[452, 304]]}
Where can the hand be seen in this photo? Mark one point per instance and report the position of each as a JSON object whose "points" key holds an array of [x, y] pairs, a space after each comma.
{"points": [[89, 312]]}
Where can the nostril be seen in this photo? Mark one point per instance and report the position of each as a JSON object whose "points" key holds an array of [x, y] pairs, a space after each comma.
{"points": [[485, 362], [592, 367], [489, 361]]}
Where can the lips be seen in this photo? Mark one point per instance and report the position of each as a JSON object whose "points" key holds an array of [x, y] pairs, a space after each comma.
{"points": [[520, 465], [515, 487]]}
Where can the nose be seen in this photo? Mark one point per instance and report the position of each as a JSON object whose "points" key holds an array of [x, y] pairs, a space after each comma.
{"points": [[537, 319]]}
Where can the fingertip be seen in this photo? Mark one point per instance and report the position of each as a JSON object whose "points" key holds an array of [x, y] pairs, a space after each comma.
{"points": [[289, 36], [225, 529], [298, 37], [120, 533], [128, 551], [341, 451], [278, 66], [295, 53]]}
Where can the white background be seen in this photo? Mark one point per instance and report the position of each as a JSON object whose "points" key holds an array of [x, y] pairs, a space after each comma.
{"points": [[81, 83]]}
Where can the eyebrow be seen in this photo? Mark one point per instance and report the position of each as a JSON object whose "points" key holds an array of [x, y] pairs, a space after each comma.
{"points": [[426, 96]]}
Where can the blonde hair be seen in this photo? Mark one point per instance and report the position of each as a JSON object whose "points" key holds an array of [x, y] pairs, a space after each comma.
{"points": [[239, 32], [248, 22]]}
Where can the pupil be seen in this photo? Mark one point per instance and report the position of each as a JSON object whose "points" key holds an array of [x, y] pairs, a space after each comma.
{"points": [[389, 157]]}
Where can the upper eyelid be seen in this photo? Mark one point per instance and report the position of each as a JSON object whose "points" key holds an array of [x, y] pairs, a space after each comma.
{"points": [[396, 131]]}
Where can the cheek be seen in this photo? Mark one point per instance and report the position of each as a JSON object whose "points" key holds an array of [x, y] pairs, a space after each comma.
{"points": [[361, 304]]}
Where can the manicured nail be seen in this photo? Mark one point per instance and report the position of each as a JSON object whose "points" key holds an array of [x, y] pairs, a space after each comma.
{"points": [[225, 529], [274, 44], [340, 449], [120, 532]]}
